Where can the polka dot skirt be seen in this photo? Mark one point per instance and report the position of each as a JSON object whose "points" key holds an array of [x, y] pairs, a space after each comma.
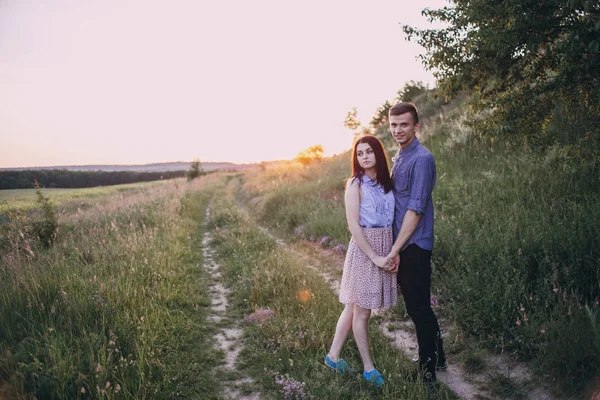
{"points": [[363, 283]]}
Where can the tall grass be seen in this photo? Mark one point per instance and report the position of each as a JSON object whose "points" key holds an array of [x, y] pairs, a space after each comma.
{"points": [[517, 249], [291, 315], [115, 308]]}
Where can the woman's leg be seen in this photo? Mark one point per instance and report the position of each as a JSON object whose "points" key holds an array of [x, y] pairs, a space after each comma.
{"points": [[341, 332], [360, 327]]}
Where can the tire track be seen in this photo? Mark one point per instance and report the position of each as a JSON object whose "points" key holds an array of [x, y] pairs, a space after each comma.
{"points": [[229, 336]]}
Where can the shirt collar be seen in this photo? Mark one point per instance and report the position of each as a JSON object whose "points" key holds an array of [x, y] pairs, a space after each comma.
{"points": [[411, 146]]}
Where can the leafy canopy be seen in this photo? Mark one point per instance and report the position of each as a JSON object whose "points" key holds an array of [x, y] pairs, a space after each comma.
{"points": [[520, 58]]}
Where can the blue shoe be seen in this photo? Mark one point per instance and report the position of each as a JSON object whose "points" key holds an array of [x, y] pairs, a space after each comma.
{"points": [[340, 366], [374, 377]]}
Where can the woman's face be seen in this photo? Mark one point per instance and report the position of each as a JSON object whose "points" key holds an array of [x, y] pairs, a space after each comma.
{"points": [[365, 156]]}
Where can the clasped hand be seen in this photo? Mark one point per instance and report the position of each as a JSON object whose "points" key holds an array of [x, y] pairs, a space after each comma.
{"points": [[389, 263]]}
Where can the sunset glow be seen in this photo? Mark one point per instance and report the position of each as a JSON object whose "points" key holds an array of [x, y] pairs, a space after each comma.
{"points": [[132, 82]]}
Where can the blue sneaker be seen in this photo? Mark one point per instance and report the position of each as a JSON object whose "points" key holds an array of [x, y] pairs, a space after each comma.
{"points": [[374, 377], [340, 366]]}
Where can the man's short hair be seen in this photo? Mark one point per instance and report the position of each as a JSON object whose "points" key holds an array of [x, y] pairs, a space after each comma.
{"points": [[403, 108]]}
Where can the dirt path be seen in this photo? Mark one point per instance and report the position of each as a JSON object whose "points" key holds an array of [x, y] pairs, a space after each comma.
{"points": [[229, 337], [328, 264]]}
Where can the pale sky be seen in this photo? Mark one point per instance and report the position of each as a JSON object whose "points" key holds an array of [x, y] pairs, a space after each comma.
{"points": [[142, 81]]}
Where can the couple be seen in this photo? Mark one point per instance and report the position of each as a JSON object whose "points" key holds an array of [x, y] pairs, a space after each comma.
{"points": [[391, 222]]}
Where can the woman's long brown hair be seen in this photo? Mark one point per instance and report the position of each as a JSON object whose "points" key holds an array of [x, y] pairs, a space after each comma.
{"points": [[381, 162]]}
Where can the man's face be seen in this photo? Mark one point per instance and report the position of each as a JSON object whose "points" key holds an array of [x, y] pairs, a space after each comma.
{"points": [[403, 128]]}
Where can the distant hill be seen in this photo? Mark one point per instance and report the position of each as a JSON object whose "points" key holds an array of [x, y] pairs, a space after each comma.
{"points": [[156, 167]]}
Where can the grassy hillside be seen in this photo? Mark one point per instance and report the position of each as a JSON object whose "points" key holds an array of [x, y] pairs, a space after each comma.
{"points": [[517, 250]]}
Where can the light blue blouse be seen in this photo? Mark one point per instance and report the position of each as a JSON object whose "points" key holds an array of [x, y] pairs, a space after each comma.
{"points": [[376, 207]]}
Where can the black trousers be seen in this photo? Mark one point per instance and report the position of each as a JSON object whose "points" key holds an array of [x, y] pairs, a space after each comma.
{"points": [[414, 277]]}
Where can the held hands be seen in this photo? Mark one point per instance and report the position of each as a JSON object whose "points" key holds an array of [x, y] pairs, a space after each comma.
{"points": [[389, 263], [381, 262], [393, 263]]}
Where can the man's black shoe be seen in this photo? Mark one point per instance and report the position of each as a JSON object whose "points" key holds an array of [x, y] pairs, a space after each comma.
{"points": [[427, 377]]}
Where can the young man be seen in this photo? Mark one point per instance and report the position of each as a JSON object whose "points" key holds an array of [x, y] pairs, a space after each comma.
{"points": [[413, 178]]}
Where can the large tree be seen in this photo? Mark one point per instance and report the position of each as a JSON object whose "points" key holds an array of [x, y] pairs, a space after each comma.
{"points": [[522, 59]]}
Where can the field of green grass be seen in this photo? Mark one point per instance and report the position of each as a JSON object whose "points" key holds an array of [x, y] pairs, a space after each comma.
{"points": [[25, 199], [116, 308]]}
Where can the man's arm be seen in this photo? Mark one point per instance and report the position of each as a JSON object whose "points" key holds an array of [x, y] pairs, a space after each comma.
{"points": [[421, 187], [409, 224]]}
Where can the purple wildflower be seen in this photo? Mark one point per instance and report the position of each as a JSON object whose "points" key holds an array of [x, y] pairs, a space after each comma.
{"points": [[324, 240], [340, 249], [260, 316], [291, 389]]}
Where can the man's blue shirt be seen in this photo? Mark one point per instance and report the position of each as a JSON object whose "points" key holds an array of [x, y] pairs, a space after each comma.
{"points": [[413, 177]]}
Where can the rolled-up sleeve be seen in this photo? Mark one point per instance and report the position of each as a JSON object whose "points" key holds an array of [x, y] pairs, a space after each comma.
{"points": [[421, 184]]}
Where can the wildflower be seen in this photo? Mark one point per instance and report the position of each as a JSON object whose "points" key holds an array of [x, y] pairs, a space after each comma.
{"points": [[340, 249], [290, 388], [543, 330], [300, 334], [117, 388], [518, 323], [434, 301], [522, 308], [555, 290], [324, 240], [260, 316], [82, 390], [525, 319], [107, 385], [530, 297]]}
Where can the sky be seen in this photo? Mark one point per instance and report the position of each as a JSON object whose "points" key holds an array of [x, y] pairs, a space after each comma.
{"points": [[142, 81]]}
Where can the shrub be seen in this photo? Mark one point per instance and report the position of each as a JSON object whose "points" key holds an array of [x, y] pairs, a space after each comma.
{"points": [[45, 226]]}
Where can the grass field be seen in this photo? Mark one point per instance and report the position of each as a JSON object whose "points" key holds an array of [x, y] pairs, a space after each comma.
{"points": [[24, 199], [116, 308]]}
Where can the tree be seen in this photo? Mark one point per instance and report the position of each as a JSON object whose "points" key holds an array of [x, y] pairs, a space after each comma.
{"points": [[310, 155], [521, 59], [411, 91], [194, 171], [351, 122], [381, 115]]}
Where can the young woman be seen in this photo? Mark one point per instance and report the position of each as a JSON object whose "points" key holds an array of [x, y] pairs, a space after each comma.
{"points": [[368, 280]]}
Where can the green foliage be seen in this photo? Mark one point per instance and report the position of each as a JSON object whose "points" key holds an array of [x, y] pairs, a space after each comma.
{"points": [[195, 170], [351, 121], [411, 91], [519, 58], [45, 226], [381, 115]]}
